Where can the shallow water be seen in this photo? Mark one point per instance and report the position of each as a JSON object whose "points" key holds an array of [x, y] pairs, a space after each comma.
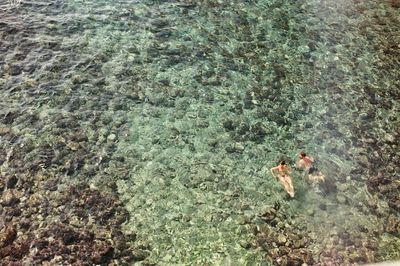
{"points": [[182, 107]]}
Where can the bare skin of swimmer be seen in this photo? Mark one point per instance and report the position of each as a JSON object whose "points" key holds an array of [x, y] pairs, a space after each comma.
{"points": [[305, 162], [283, 177]]}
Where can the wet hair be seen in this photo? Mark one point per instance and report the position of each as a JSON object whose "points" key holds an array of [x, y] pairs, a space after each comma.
{"points": [[283, 162], [303, 154]]}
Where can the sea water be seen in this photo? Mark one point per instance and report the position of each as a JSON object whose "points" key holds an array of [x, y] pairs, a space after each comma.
{"points": [[186, 105]]}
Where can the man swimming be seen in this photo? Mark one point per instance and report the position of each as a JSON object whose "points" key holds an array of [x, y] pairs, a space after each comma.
{"points": [[306, 162], [283, 177]]}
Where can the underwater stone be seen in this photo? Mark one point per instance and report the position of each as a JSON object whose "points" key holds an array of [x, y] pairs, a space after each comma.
{"points": [[229, 124], [393, 225], [24, 223], [140, 254], [13, 212], [15, 70], [29, 68], [341, 198], [308, 125], [35, 199], [2, 185], [111, 137], [244, 244], [11, 181], [103, 254], [281, 239], [343, 187], [389, 138], [395, 3], [238, 147], [9, 198], [159, 23], [7, 235]]}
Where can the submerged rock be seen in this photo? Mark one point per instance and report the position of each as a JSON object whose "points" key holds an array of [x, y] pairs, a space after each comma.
{"points": [[11, 181], [245, 244], [281, 239], [395, 3], [341, 198], [9, 198], [7, 235]]}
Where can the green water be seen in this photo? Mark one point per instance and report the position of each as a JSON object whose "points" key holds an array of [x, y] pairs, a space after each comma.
{"points": [[188, 104]]}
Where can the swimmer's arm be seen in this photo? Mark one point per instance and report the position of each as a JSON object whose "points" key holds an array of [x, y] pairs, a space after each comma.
{"points": [[272, 171]]}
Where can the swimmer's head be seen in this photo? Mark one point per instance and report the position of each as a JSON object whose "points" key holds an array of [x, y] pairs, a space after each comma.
{"points": [[303, 154], [283, 162]]}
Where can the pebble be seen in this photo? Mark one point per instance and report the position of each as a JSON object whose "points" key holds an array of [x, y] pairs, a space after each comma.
{"points": [[241, 220], [9, 198], [281, 239], [244, 244], [139, 254], [15, 70], [111, 137], [343, 187], [238, 147], [389, 138], [310, 212], [7, 236], [341, 199], [11, 181]]}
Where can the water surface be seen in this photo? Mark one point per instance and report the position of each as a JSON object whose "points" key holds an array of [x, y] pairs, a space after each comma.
{"points": [[180, 108]]}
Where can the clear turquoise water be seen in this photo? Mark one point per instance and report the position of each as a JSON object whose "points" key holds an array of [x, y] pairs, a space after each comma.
{"points": [[186, 105]]}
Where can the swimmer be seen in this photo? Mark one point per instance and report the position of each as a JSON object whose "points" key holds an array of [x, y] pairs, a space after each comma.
{"points": [[306, 162], [283, 177]]}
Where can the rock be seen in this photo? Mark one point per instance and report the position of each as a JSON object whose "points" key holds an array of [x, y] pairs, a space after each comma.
{"points": [[310, 212], [395, 3], [241, 220], [281, 239], [7, 236], [140, 254], [244, 244], [341, 198], [229, 125], [263, 229], [13, 212], [343, 187], [11, 181], [389, 138], [299, 243], [300, 257], [2, 185], [25, 223], [15, 70], [35, 200], [238, 147], [103, 254], [9, 198], [111, 137], [268, 213], [393, 225], [258, 132]]}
